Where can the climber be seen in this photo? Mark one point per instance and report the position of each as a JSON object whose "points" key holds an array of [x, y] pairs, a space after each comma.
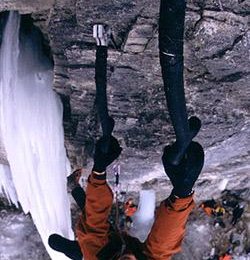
{"points": [[95, 241], [225, 256], [208, 206], [129, 208], [182, 161], [219, 211], [237, 213]]}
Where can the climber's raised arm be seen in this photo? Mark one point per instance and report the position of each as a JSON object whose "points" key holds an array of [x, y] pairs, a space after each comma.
{"points": [[168, 230], [93, 227]]}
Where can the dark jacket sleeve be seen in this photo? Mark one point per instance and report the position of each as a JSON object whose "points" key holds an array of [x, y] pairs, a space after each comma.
{"points": [[93, 227], [168, 230]]}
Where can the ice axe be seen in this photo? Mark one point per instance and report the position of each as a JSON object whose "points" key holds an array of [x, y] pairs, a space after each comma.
{"points": [[101, 34], [171, 30]]}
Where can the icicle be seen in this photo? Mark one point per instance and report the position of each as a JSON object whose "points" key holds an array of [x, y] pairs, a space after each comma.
{"points": [[6, 185], [144, 217], [32, 132], [223, 184]]}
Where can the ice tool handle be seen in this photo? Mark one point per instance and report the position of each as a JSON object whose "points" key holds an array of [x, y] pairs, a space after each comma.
{"points": [[171, 30], [107, 122]]}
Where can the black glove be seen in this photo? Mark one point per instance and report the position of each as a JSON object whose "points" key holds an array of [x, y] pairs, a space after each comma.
{"points": [[184, 175], [102, 159]]}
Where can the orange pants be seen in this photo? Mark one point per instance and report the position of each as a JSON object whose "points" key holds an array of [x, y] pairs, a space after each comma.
{"points": [[164, 239]]}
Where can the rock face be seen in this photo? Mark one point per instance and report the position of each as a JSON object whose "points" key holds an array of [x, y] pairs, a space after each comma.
{"points": [[216, 76], [216, 69], [217, 66], [26, 6]]}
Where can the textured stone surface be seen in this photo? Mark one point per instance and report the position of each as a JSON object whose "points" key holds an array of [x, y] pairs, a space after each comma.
{"points": [[216, 70], [216, 83], [26, 6]]}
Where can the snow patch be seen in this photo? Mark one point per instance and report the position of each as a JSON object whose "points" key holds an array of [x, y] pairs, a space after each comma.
{"points": [[223, 184]]}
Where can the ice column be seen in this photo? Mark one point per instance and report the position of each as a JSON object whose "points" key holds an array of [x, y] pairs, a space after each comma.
{"points": [[144, 217], [32, 132], [6, 185]]}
